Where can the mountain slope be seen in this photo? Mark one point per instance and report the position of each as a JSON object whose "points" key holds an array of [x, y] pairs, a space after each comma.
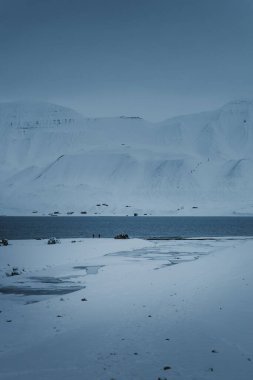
{"points": [[54, 159]]}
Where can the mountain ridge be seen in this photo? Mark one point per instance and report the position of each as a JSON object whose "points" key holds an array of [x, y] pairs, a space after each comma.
{"points": [[52, 157]]}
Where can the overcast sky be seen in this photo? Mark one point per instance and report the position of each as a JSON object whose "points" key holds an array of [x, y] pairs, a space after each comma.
{"points": [[152, 58]]}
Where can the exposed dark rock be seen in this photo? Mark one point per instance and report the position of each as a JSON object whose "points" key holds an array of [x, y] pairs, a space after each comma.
{"points": [[53, 240], [4, 242], [14, 272], [121, 236]]}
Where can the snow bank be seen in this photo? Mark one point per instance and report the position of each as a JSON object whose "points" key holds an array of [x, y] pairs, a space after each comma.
{"points": [[176, 309]]}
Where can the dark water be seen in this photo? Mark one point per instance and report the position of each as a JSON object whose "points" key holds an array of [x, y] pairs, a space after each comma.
{"points": [[144, 227]]}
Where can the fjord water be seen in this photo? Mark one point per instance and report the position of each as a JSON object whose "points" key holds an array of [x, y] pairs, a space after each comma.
{"points": [[107, 227]]}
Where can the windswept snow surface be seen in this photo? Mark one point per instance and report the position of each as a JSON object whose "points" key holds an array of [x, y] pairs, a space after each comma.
{"points": [[104, 309], [54, 159]]}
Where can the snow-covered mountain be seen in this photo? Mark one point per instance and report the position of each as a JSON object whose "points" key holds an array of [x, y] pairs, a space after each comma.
{"points": [[52, 159]]}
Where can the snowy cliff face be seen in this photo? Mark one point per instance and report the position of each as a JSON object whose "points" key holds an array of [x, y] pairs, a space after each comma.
{"points": [[54, 159]]}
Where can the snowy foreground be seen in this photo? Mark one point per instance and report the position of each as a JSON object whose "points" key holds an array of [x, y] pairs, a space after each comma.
{"points": [[105, 309]]}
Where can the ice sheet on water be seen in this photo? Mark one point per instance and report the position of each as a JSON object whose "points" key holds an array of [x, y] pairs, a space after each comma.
{"points": [[172, 252]]}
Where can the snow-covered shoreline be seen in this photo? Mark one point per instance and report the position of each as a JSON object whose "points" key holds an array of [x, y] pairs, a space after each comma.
{"points": [[219, 211], [136, 315]]}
